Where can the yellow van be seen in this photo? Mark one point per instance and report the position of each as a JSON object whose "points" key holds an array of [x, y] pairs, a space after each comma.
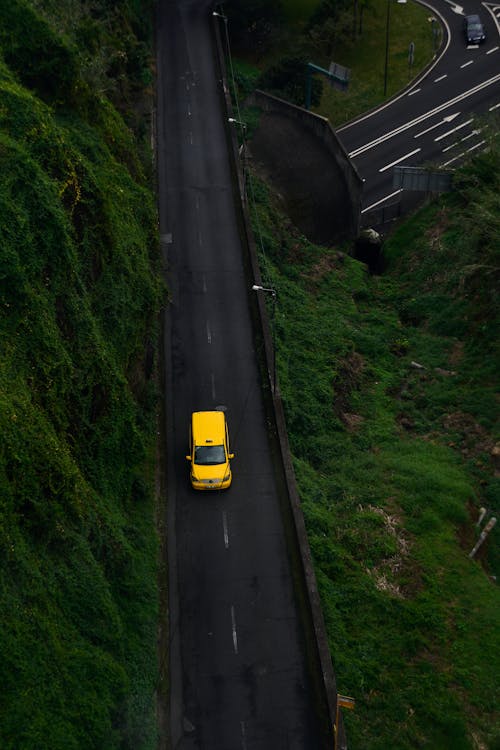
{"points": [[209, 451]]}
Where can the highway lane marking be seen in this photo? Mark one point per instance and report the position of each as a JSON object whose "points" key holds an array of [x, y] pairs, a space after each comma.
{"points": [[382, 200], [226, 532], [402, 158], [415, 91], [189, 110], [447, 163], [441, 78], [493, 49], [204, 284], [462, 140], [454, 130], [477, 145], [209, 333], [437, 125], [470, 62], [235, 635], [243, 736], [469, 150], [425, 116], [200, 240], [495, 106], [471, 135], [456, 8], [191, 137]]}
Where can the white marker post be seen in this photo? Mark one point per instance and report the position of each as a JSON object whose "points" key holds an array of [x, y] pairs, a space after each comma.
{"points": [[483, 536]]}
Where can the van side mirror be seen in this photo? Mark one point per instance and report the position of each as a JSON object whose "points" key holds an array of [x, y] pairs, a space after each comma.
{"points": [[188, 458], [231, 455]]}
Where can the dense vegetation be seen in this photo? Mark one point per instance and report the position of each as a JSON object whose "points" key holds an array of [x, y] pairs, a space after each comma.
{"points": [[390, 390], [390, 387], [79, 299]]}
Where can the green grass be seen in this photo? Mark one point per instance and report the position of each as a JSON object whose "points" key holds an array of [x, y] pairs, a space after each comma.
{"points": [[393, 462], [366, 58], [79, 295]]}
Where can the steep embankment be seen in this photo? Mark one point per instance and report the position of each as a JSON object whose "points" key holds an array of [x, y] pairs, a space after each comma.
{"points": [[390, 387], [79, 298]]}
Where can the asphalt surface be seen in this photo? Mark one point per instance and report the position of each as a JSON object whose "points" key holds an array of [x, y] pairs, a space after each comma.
{"points": [[437, 120], [237, 671]]}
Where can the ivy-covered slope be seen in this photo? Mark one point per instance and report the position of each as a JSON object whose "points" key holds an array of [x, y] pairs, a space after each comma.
{"points": [[79, 295]]}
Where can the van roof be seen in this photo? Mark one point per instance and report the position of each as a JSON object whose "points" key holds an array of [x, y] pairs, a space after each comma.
{"points": [[208, 427]]}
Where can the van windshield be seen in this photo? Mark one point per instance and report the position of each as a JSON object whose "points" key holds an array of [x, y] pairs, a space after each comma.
{"points": [[209, 455]]}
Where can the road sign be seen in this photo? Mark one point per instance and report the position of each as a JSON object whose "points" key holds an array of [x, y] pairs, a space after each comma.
{"points": [[345, 702], [339, 76]]}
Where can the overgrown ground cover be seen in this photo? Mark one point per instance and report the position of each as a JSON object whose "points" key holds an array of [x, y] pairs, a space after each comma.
{"points": [[79, 295], [390, 388]]}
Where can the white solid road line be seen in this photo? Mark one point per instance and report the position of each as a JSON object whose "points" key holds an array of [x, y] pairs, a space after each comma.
{"points": [[243, 736], [382, 200], [454, 130], [425, 116], [235, 635], [226, 532], [401, 158]]}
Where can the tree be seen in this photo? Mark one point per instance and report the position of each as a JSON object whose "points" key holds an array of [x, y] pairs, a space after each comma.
{"points": [[287, 79], [252, 22]]}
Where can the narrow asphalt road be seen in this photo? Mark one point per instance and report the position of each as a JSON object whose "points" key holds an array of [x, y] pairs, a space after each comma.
{"points": [[238, 671]]}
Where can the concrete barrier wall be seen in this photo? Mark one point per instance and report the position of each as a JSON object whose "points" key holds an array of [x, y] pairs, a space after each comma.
{"points": [[320, 127]]}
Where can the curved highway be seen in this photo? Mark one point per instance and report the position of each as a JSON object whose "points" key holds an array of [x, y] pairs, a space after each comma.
{"points": [[435, 120], [238, 673]]}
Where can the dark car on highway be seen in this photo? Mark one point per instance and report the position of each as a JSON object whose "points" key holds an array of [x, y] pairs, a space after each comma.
{"points": [[474, 30]]}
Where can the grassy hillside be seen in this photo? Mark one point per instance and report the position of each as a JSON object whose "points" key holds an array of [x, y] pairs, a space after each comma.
{"points": [[390, 388], [79, 298]]}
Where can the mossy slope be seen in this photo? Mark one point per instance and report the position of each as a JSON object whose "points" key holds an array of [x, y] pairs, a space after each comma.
{"points": [[79, 297]]}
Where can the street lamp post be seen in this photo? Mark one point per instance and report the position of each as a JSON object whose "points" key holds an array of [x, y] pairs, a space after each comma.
{"points": [[387, 24], [242, 151], [272, 292]]}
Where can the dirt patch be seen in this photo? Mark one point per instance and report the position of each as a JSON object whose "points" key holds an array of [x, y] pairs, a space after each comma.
{"points": [[348, 378], [471, 439], [435, 233], [326, 265], [456, 354], [386, 573]]}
